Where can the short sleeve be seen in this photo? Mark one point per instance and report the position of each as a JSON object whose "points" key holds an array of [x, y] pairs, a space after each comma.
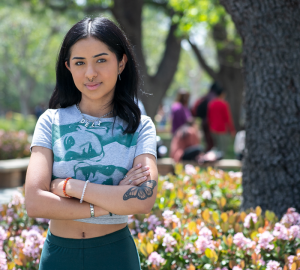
{"points": [[146, 142], [42, 135]]}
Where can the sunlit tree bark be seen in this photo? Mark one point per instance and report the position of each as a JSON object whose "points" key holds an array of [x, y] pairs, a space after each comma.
{"points": [[270, 30]]}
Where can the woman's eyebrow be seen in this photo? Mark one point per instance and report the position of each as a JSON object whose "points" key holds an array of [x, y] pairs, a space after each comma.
{"points": [[100, 54], [97, 55]]}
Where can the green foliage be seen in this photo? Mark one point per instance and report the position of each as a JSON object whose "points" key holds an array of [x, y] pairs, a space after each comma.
{"points": [[28, 50], [17, 122], [189, 13]]}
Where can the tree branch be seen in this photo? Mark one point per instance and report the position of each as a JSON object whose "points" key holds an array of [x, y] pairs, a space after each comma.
{"points": [[169, 61], [203, 63]]}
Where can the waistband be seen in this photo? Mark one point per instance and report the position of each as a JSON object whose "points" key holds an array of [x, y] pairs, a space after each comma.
{"points": [[90, 242]]}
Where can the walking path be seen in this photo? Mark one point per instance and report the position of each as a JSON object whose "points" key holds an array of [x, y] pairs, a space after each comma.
{"points": [[6, 193]]}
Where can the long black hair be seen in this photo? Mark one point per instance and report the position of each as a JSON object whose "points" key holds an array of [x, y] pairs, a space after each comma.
{"points": [[66, 93]]}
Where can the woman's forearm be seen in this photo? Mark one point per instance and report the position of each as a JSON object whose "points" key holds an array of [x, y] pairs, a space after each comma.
{"points": [[44, 204], [120, 200]]}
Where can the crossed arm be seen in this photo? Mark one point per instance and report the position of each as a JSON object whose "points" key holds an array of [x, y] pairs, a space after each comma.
{"points": [[46, 199]]}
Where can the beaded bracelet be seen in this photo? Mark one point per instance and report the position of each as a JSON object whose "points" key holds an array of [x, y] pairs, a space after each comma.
{"points": [[64, 187], [84, 188]]}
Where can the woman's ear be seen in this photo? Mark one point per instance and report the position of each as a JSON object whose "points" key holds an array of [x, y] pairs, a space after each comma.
{"points": [[66, 64], [122, 63]]}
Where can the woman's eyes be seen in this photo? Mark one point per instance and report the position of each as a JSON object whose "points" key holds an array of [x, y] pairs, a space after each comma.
{"points": [[79, 63], [82, 63]]}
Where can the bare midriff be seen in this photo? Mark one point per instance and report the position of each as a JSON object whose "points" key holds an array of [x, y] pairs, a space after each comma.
{"points": [[81, 230]]}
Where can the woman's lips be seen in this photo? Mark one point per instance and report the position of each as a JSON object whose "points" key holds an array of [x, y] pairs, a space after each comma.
{"points": [[92, 86]]}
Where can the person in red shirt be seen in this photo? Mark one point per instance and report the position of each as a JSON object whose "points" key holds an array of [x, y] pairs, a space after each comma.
{"points": [[220, 121]]}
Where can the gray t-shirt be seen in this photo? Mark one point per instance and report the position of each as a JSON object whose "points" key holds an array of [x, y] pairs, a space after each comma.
{"points": [[100, 154]]}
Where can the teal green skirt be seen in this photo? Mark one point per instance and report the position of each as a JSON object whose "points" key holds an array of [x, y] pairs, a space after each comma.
{"points": [[109, 252]]}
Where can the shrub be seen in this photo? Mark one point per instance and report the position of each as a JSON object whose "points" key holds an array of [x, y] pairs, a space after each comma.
{"points": [[194, 224], [14, 144]]}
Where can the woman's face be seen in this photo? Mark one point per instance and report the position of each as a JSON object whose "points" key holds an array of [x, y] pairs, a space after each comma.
{"points": [[94, 69]]}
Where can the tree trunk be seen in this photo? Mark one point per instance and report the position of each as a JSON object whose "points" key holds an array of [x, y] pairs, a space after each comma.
{"points": [[129, 15], [270, 30], [231, 79]]}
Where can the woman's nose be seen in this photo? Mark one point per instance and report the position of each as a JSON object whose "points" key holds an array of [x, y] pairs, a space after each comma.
{"points": [[90, 73]]}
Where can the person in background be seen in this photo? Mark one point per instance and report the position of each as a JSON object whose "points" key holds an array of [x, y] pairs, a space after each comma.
{"points": [[220, 121], [39, 110], [200, 110], [185, 143], [180, 112]]}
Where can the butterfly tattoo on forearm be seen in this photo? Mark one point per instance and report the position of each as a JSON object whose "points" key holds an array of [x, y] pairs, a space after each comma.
{"points": [[141, 192]]}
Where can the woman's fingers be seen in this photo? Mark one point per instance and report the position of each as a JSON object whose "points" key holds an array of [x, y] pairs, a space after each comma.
{"points": [[139, 181], [135, 171], [139, 175], [136, 175]]}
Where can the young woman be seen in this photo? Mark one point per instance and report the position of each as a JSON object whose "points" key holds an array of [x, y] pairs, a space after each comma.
{"points": [[93, 156]]}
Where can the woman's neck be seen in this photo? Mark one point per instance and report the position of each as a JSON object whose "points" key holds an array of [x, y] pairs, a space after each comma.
{"points": [[95, 109]]}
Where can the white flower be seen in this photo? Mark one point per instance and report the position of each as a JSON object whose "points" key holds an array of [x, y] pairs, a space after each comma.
{"points": [[206, 195]]}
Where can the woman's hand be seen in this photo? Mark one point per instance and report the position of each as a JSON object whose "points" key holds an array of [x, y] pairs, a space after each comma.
{"points": [[135, 176]]}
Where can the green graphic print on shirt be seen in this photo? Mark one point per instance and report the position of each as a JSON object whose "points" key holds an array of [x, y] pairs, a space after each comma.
{"points": [[82, 148]]}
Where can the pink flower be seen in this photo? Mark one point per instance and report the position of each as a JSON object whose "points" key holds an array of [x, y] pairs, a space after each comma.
{"points": [[3, 261], [33, 244], [262, 262], [250, 216], [291, 260], [291, 217], [190, 169], [236, 268], [168, 242], [273, 265], [242, 242], [169, 218], [203, 243], [167, 214], [280, 231], [42, 220], [19, 242], [186, 179], [17, 198], [153, 222], [194, 199], [294, 232], [189, 246], [3, 234], [156, 259], [235, 174], [206, 233], [206, 195], [168, 185], [159, 232], [264, 241]]}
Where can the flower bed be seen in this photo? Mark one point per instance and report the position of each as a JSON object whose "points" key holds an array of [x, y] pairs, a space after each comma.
{"points": [[195, 224], [14, 144]]}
